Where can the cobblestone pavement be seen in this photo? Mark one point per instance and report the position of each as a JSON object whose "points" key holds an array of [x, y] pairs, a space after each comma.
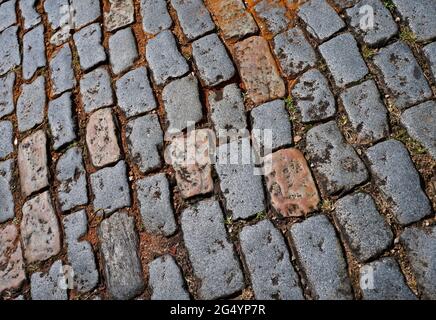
{"points": [[96, 95]]}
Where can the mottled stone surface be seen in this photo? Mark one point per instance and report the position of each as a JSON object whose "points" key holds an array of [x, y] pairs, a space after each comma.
{"points": [[33, 51], [7, 205], [8, 17], [46, 286], [271, 15], [61, 70], [89, 46], [121, 13], [430, 54], [122, 50], [155, 16], [10, 51], [6, 138], [61, 121], [28, 11], [6, 94], [31, 104], [96, 90]]}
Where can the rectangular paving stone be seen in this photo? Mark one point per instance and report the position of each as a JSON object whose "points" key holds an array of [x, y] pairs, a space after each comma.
{"points": [[144, 138], [32, 163], [321, 257], [420, 17], [121, 13], [207, 242], [134, 93], [430, 53], [111, 188], [6, 138], [7, 94], [383, 25], [40, 232], [193, 17], [46, 286], [61, 70], [366, 111], [155, 16], [362, 226], [10, 50], [294, 52], [233, 19], [89, 46], [420, 124], [166, 281], [336, 165], [101, 138], [402, 75], [71, 175], [272, 275], [320, 18], [271, 16], [271, 116], [290, 184], [383, 280], [241, 186], [30, 16], [313, 97], [7, 205], [119, 249], [85, 12], [55, 10], [60, 118], [96, 90], [258, 70], [33, 51], [213, 63], [80, 254], [164, 58], [343, 59], [182, 103], [154, 202], [398, 181], [31, 104], [420, 246], [8, 17], [122, 50]]}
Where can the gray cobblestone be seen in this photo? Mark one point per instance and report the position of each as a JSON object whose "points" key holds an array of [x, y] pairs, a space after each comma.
{"points": [[430, 54], [88, 42], [46, 286], [54, 11], [86, 12], [273, 15], [62, 124], [62, 74], [8, 16], [123, 51], [6, 138], [33, 51], [7, 205], [12, 273], [155, 16], [6, 94], [96, 90], [121, 13], [31, 104], [30, 16], [10, 50]]}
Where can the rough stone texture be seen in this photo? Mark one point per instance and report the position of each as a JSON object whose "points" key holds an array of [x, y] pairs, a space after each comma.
{"points": [[271, 15], [343, 59], [206, 241], [71, 174], [420, 124], [294, 52], [232, 18], [7, 205], [420, 245], [46, 286], [40, 233], [241, 186], [271, 116], [402, 75], [420, 17], [212, 61], [258, 70], [313, 98], [430, 54], [10, 50], [122, 50], [366, 111], [96, 90], [86, 12], [144, 139], [398, 181], [30, 16], [6, 138], [321, 258], [164, 58], [8, 16], [155, 16], [110, 188], [193, 17], [32, 162], [55, 10], [33, 51], [121, 13], [88, 42], [290, 184], [134, 93], [12, 273], [342, 4], [322, 21], [62, 124], [383, 280], [6, 94], [62, 74], [384, 27], [119, 247], [336, 165], [166, 281], [364, 229], [154, 202], [31, 104], [272, 275], [80, 254], [181, 99], [101, 138]]}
